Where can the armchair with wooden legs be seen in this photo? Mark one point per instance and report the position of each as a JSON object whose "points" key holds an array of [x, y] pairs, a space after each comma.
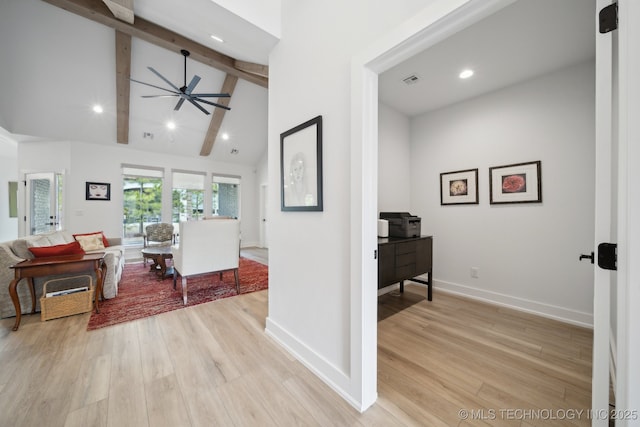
{"points": [[206, 247]]}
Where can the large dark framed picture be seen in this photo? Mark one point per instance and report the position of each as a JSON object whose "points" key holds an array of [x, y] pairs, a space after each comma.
{"points": [[301, 167], [517, 183], [459, 187], [98, 191]]}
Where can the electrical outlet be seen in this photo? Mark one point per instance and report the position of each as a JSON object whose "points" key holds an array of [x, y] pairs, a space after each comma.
{"points": [[475, 272]]}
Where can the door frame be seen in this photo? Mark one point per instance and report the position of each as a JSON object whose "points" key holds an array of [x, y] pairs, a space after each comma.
{"points": [[439, 20], [433, 24], [628, 288]]}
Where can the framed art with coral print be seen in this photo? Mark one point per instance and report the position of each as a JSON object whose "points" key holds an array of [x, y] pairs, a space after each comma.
{"points": [[459, 187], [517, 183]]}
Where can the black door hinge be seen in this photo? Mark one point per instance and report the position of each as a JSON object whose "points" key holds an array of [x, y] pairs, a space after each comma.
{"points": [[608, 18], [607, 256]]}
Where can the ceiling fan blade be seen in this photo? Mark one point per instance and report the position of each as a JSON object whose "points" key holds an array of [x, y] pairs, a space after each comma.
{"points": [[198, 105], [162, 77], [212, 103], [179, 104], [158, 96], [192, 84], [211, 95], [157, 87]]}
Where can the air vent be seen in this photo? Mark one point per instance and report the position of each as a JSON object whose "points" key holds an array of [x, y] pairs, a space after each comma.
{"points": [[412, 79]]}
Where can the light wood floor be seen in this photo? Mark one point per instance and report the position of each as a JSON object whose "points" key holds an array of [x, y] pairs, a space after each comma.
{"points": [[212, 365]]}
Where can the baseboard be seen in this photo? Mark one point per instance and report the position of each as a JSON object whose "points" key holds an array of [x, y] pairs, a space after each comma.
{"points": [[327, 372], [561, 314]]}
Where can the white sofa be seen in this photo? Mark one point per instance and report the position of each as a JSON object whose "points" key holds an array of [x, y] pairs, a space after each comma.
{"points": [[211, 245], [15, 251]]}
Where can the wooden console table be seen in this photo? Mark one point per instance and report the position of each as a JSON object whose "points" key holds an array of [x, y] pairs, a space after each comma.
{"points": [[404, 258], [49, 266]]}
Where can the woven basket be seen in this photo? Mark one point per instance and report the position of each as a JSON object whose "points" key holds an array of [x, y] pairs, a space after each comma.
{"points": [[66, 305]]}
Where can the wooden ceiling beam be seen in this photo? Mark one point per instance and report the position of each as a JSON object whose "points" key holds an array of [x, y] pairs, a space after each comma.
{"points": [[121, 9], [97, 11], [228, 86], [250, 67], [123, 85]]}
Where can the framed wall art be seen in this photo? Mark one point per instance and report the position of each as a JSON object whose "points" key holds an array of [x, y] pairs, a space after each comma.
{"points": [[98, 191], [459, 187], [301, 167], [517, 183]]}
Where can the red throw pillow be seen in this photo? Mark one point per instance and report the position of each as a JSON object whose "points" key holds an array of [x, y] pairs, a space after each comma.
{"points": [[72, 248], [105, 242]]}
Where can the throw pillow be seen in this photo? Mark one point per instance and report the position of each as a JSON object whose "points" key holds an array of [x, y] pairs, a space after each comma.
{"points": [[37, 241], [105, 242], [21, 249], [90, 242], [56, 238], [72, 248]]}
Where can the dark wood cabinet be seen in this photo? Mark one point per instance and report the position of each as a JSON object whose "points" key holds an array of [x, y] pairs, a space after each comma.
{"points": [[404, 258]]}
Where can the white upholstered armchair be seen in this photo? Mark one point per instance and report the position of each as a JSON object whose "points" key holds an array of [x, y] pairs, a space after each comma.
{"points": [[206, 246]]}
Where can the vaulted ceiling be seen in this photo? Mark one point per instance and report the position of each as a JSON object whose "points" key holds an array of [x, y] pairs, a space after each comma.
{"points": [[59, 57], [71, 54]]}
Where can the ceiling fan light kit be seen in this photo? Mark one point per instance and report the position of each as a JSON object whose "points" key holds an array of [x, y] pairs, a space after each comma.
{"points": [[185, 93]]}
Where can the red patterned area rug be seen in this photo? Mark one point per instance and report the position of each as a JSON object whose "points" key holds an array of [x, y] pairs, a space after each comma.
{"points": [[141, 294]]}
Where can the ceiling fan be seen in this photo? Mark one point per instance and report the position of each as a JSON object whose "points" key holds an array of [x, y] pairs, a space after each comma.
{"points": [[185, 92]]}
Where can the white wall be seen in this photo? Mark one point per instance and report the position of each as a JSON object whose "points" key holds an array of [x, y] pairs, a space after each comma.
{"points": [[394, 156], [8, 172], [82, 162], [310, 309], [527, 254]]}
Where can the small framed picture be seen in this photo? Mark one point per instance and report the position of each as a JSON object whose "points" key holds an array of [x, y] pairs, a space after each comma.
{"points": [[517, 183], [301, 167], [459, 187], [98, 191]]}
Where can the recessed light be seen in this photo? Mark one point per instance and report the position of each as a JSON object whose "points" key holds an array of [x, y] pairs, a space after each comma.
{"points": [[216, 38], [465, 74], [225, 136], [98, 109], [171, 125]]}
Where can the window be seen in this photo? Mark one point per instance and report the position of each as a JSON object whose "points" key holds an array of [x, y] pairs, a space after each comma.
{"points": [[142, 201], [187, 196], [225, 193]]}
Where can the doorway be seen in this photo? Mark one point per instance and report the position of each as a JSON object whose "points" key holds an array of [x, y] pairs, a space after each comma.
{"points": [[44, 202], [424, 32]]}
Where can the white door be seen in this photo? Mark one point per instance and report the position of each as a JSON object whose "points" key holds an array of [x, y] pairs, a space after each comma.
{"points": [[616, 201], [264, 243], [605, 214], [43, 204]]}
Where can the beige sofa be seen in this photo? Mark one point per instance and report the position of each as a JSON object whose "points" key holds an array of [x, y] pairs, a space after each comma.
{"points": [[14, 251]]}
